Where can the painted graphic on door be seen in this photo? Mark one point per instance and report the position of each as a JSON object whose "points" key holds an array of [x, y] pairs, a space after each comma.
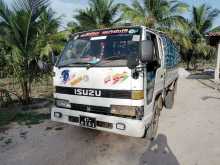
{"points": [[73, 79], [116, 78], [65, 75]]}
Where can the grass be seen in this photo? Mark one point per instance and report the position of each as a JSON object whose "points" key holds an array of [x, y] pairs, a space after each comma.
{"points": [[6, 117], [30, 118], [8, 141], [41, 89], [22, 118], [2, 138]]}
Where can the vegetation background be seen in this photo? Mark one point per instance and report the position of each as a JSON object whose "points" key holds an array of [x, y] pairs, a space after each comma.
{"points": [[30, 36]]}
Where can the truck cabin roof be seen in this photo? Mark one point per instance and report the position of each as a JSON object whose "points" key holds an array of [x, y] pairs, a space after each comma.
{"points": [[120, 28]]}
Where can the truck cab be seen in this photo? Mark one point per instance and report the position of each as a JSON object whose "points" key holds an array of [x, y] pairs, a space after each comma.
{"points": [[115, 80]]}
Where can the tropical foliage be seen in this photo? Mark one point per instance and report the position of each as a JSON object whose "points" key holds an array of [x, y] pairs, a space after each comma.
{"points": [[200, 24], [166, 16], [22, 27], [157, 14], [99, 14], [163, 15], [50, 41]]}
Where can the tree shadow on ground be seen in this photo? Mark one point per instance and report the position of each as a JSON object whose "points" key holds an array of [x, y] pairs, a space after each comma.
{"points": [[201, 76], [206, 79], [159, 153], [210, 97]]}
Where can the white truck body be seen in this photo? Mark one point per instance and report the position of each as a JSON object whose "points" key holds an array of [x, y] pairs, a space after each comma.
{"points": [[91, 96]]}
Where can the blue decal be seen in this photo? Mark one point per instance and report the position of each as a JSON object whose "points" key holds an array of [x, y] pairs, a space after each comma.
{"points": [[65, 75]]}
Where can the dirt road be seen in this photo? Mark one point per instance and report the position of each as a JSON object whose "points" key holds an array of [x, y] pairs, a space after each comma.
{"points": [[188, 135]]}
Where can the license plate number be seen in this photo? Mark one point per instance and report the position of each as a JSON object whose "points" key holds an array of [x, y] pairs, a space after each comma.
{"points": [[87, 122]]}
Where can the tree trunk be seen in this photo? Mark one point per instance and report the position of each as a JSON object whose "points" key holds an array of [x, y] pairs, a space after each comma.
{"points": [[189, 58], [188, 62], [26, 90]]}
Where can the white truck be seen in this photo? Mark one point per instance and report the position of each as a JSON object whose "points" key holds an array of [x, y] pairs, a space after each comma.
{"points": [[116, 80]]}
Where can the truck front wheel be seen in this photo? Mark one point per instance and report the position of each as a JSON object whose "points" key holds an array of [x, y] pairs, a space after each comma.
{"points": [[152, 129]]}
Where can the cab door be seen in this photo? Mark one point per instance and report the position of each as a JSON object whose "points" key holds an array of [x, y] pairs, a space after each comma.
{"points": [[154, 72]]}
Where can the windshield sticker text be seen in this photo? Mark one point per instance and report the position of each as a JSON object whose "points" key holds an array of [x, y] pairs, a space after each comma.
{"points": [[106, 32]]}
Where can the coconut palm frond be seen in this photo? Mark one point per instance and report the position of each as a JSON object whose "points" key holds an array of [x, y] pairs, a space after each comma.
{"points": [[99, 14]]}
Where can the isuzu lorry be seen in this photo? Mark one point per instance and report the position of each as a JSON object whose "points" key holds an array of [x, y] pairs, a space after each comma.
{"points": [[116, 80]]}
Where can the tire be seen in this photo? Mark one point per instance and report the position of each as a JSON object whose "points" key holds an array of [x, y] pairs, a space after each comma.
{"points": [[169, 99], [151, 131]]}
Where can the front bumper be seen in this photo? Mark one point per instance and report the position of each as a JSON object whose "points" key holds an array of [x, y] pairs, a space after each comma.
{"points": [[134, 128]]}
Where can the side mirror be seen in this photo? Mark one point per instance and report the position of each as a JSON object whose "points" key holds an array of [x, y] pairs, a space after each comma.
{"points": [[147, 51], [132, 61]]}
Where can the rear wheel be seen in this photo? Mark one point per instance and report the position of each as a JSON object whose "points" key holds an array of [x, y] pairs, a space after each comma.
{"points": [[152, 129], [169, 99]]}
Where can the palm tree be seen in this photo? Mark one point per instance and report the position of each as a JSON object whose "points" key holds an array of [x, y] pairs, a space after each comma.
{"points": [[157, 14], [99, 14], [200, 24], [202, 20], [2, 59], [19, 31], [50, 41], [163, 15]]}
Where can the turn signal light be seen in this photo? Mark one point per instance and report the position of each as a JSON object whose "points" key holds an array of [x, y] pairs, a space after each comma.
{"points": [[58, 114], [123, 110], [137, 95]]}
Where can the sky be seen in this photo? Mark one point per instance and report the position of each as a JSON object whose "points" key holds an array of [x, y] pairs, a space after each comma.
{"points": [[66, 8]]}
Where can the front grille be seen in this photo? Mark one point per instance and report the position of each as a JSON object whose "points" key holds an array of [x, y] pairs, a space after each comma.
{"points": [[95, 110], [91, 109]]}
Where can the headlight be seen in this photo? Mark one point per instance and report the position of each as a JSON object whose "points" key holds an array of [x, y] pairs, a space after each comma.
{"points": [[62, 103], [137, 95], [131, 111]]}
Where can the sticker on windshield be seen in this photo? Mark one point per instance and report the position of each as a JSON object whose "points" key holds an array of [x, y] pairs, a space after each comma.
{"points": [[98, 38], [136, 38], [110, 32], [133, 31], [76, 37]]}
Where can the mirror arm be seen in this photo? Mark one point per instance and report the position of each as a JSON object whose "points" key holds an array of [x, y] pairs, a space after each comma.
{"points": [[137, 70]]}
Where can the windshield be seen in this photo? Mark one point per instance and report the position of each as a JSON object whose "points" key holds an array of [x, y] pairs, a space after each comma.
{"points": [[100, 50]]}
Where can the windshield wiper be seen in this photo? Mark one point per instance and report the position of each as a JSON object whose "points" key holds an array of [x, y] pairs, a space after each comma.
{"points": [[71, 64], [106, 60], [81, 62], [93, 64], [113, 58]]}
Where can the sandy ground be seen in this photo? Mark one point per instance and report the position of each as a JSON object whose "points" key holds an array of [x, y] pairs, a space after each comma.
{"points": [[188, 135]]}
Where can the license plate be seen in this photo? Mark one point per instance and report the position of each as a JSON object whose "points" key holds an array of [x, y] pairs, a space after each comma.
{"points": [[87, 122]]}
